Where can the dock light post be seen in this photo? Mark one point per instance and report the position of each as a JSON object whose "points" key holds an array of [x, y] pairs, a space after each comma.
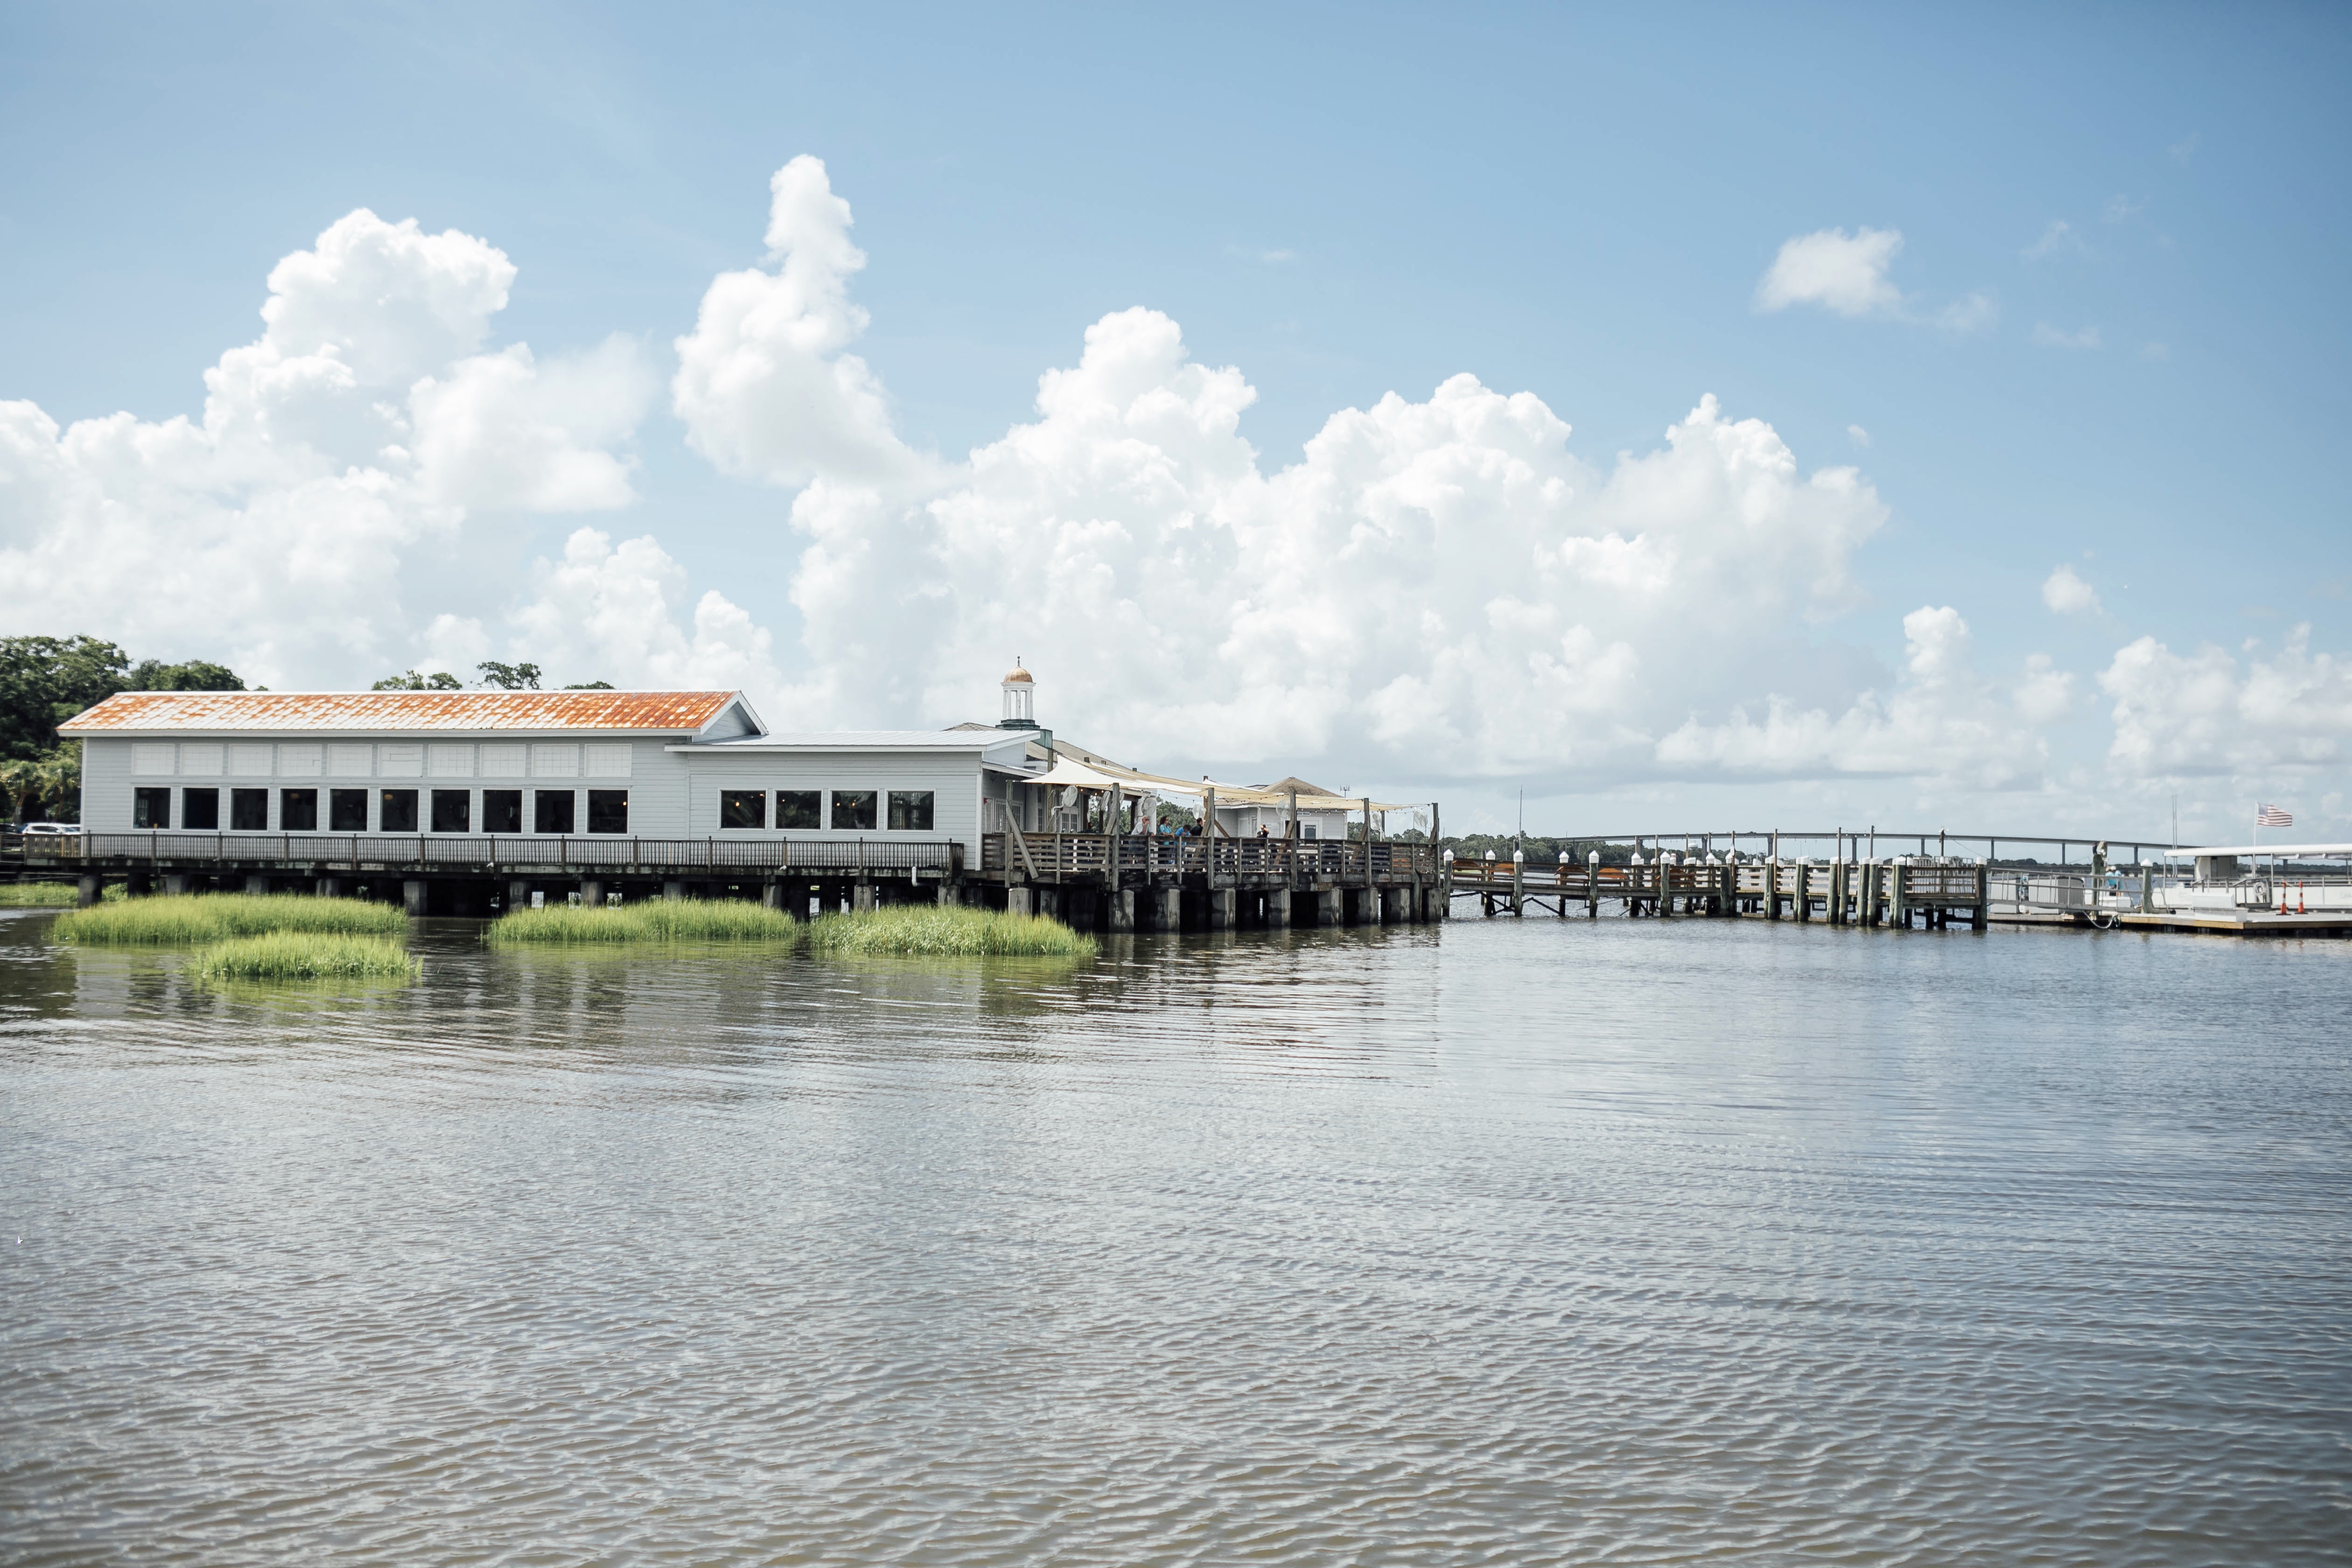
{"points": [[1592, 884]]}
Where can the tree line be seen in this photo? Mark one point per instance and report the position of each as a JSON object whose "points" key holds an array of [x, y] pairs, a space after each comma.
{"points": [[44, 681]]}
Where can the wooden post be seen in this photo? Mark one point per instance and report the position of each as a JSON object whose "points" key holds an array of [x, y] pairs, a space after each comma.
{"points": [[1592, 884], [1437, 867], [1112, 801], [1208, 834]]}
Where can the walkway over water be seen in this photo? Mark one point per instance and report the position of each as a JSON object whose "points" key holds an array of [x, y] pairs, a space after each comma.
{"points": [[1871, 879]]}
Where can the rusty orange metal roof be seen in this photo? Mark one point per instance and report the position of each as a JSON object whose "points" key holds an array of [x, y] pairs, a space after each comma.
{"points": [[378, 713]]}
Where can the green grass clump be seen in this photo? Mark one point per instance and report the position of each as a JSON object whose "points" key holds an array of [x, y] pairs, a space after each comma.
{"points": [[307, 955], [36, 895], [196, 918], [948, 931], [664, 919]]}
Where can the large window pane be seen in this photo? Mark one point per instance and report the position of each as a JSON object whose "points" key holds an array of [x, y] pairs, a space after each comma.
{"points": [[200, 809], [608, 811], [298, 810], [799, 810], [151, 807], [853, 808], [399, 812], [346, 810], [248, 810], [502, 810], [453, 811], [910, 811], [742, 808], [550, 810]]}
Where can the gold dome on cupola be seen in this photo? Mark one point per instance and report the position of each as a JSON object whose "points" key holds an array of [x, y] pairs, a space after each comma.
{"points": [[1020, 688]]}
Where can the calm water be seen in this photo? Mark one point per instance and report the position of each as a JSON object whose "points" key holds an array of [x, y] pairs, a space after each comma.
{"points": [[1630, 1243]]}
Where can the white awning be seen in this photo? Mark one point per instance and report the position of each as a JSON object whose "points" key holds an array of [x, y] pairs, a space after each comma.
{"points": [[2287, 851]]}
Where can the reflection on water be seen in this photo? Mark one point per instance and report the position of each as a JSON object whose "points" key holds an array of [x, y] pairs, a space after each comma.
{"points": [[1514, 1242]]}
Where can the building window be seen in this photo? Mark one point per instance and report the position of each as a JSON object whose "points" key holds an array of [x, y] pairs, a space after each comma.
{"points": [[502, 811], [399, 813], [298, 810], [346, 810], [742, 808], [607, 762], [248, 811], [550, 810], [1306, 830], [910, 811], [608, 811], [853, 808], [799, 809], [453, 811], [199, 809], [151, 809]]}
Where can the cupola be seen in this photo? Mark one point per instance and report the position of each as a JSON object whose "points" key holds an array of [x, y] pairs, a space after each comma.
{"points": [[1020, 701]]}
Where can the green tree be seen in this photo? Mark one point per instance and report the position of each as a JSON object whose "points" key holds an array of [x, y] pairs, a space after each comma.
{"points": [[590, 686], [195, 675], [409, 680], [510, 677], [44, 681]]}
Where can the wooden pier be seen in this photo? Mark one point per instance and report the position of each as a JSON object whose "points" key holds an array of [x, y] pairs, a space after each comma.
{"points": [[478, 874], [1929, 881], [1133, 882], [1839, 893]]}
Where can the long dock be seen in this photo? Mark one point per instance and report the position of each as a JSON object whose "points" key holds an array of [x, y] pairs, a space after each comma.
{"points": [[1759, 874], [1138, 881], [1100, 881]]}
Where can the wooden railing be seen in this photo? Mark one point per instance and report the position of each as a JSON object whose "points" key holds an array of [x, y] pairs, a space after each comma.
{"points": [[1922, 885], [1060, 857], [588, 852]]}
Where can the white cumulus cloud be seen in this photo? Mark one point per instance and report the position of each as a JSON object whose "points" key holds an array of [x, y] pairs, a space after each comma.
{"points": [[1942, 721], [2202, 713], [1840, 272], [354, 438], [763, 385], [2067, 593], [1434, 588]]}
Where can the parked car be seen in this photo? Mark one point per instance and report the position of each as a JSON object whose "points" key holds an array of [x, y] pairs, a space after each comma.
{"points": [[50, 829]]}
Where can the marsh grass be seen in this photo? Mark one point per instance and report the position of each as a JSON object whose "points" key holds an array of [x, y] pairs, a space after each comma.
{"points": [[947, 930], [195, 918], [657, 920], [307, 955], [917, 929], [36, 895]]}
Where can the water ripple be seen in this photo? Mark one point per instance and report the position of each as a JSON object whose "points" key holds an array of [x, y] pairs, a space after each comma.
{"points": [[1514, 1242]]}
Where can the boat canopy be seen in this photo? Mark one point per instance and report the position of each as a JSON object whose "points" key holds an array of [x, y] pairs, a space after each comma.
{"points": [[2278, 851]]}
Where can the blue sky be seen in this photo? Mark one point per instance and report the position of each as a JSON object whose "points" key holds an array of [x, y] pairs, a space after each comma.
{"points": [[1343, 202]]}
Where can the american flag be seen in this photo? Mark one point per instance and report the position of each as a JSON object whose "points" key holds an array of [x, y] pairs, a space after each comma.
{"points": [[2273, 816]]}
